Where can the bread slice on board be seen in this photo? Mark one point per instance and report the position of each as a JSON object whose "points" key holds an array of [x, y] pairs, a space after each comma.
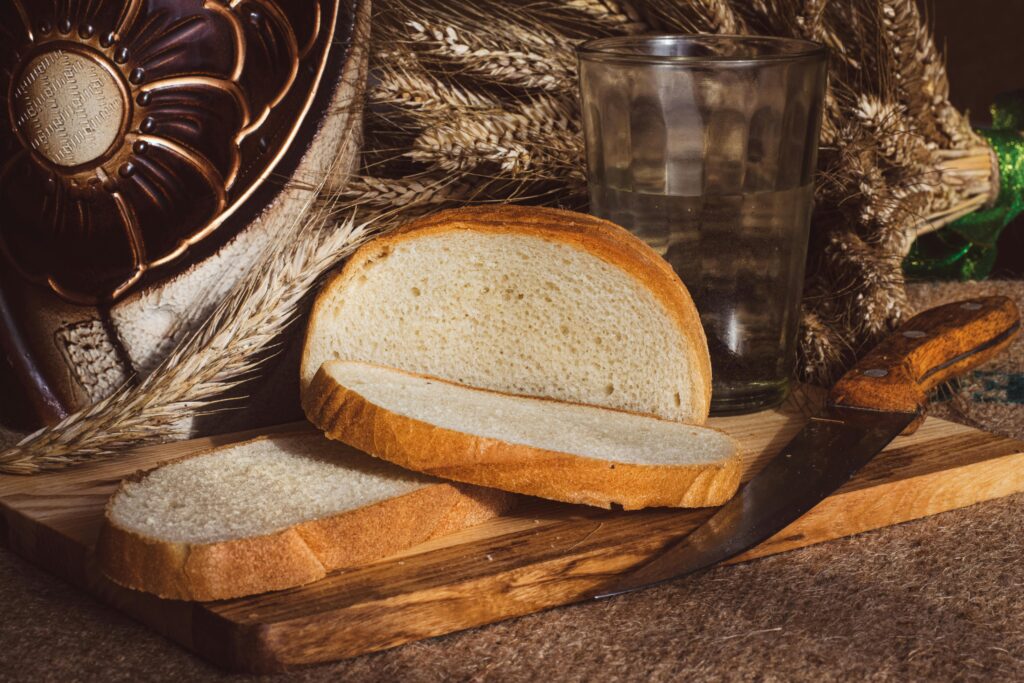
{"points": [[562, 451], [273, 513], [523, 300]]}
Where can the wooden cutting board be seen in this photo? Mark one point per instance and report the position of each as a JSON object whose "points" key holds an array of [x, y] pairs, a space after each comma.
{"points": [[543, 555]]}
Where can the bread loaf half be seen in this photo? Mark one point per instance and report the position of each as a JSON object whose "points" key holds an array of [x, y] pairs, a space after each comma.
{"points": [[273, 513], [562, 451], [524, 300]]}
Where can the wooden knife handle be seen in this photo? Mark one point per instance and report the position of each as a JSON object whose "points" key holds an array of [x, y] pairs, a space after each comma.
{"points": [[925, 351]]}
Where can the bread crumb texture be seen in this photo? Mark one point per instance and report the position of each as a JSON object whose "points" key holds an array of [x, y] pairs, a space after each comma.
{"points": [[580, 430], [511, 312], [256, 488]]}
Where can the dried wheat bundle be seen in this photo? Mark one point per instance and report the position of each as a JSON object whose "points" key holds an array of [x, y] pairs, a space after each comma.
{"points": [[477, 101]]}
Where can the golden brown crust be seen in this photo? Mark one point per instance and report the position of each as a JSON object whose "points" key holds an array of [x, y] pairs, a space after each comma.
{"points": [[345, 415], [212, 571], [385, 528], [609, 242], [295, 556]]}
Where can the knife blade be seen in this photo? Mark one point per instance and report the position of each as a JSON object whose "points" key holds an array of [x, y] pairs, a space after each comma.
{"points": [[882, 396]]}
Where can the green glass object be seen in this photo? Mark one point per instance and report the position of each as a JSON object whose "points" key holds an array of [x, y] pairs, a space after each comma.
{"points": [[966, 248]]}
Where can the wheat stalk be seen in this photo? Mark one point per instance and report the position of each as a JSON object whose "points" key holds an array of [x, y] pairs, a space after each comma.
{"points": [[901, 24], [229, 348], [720, 16], [404, 83], [376, 193], [811, 19], [538, 137], [536, 59], [698, 16], [621, 17]]}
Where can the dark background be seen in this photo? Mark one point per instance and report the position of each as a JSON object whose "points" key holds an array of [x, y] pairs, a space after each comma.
{"points": [[983, 41]]}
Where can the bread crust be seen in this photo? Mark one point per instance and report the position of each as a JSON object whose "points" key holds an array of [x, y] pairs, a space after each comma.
{"points": [[347, 416], [604, 239], [294, 556]]}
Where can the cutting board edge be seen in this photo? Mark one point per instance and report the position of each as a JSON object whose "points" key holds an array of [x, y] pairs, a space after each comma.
{"points": [[274, 639], [265, 647]]}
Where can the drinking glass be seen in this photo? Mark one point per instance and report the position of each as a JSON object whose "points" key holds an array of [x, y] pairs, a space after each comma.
{"points": [[705, 147]]}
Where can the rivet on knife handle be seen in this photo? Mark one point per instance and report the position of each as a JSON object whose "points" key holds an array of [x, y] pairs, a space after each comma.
{"points": [[925, 351]]}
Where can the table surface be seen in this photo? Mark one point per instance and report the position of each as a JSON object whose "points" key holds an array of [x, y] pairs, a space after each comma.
{"points": [[936, 599]]}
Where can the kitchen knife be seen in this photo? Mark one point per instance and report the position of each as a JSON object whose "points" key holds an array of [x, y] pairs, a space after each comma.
{"points": [[883, 395]]}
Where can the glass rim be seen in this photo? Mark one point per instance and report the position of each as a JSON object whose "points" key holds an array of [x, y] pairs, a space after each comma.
{"points": [[610, 49]]}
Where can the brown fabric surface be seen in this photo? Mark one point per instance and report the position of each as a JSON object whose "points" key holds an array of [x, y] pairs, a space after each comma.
{"points": [[936, 599]]}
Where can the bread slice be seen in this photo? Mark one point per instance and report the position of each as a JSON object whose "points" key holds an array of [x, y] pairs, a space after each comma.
{"points": [[523, 300], [273, 513], [562, 451]]}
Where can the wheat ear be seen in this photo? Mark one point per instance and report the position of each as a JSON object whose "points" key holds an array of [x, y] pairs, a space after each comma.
{"points": [[620, 17], [539, 137], [527, 59], [224, 352]]}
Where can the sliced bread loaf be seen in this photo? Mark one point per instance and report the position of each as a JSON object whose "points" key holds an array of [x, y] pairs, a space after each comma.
{"points": [[562, 451], [531, 301], [273, 513]]}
